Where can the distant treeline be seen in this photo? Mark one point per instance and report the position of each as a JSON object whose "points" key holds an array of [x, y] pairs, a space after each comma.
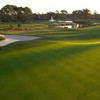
{"points": [[64, 15], [12, 13]]}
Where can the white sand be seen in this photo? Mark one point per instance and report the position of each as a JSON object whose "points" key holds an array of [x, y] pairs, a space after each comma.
{"points": [[15, 38]]}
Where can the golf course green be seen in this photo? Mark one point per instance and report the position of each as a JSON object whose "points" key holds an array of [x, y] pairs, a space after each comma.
{"points": [[63, 65]]}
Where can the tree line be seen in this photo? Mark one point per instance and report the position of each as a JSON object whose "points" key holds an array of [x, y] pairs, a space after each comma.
{"points": [[64, 15], [12, 13]]}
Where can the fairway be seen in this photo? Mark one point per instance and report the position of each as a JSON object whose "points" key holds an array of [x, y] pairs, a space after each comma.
{"points": [[63, 65]]}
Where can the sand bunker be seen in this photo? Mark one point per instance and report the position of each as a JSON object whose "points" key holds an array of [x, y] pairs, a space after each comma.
{"points": [[15, 38]]}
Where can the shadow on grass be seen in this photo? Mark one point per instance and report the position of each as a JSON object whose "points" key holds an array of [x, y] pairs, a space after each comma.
{"points": [[33, 60]]}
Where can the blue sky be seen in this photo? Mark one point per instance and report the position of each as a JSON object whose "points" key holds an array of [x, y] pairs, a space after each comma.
{"points": [[43, 6]]}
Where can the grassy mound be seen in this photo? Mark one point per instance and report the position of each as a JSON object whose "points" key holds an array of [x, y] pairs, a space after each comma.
{"points": [[2, 38], [65, 65]]}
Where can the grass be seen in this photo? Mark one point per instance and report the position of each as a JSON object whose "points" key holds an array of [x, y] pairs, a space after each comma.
{"points": [[2, 38], [25, 25], [95, 21], [63, 65]]}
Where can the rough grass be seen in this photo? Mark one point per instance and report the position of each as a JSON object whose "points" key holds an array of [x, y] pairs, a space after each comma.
{"points": [[24, 25], [2, 38], [62, 66]]}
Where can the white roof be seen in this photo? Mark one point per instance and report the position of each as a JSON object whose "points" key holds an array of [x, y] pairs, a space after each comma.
{"points": [[66, 21]]}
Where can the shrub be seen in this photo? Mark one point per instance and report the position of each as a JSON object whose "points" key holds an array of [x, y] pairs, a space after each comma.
{"points": [[11, 27], [19, 26]]}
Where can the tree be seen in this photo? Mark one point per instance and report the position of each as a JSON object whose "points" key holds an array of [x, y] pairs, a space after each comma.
{"points": [[81, 14], [11, 13], [0, 16], [49, 14], [56, 12], [64, 12], [23, 14], [8, 13], [27, 14], [20, 14], [95, 15], [77, 14], [86, 13]]}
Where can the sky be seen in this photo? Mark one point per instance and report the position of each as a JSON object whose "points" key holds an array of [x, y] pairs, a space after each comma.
{"points": [[43, 6]]}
